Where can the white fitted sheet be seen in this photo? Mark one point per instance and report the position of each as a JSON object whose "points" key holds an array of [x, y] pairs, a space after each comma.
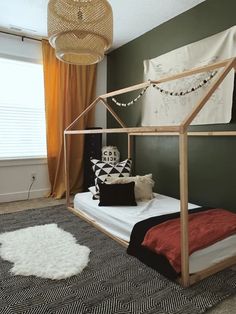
{"points": [[119, 221]]}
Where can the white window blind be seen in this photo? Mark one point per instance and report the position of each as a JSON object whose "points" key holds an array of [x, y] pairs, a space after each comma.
{"points": [[22, 111]]}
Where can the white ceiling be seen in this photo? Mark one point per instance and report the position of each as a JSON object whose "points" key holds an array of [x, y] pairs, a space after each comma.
{"points": [[132, 18]]}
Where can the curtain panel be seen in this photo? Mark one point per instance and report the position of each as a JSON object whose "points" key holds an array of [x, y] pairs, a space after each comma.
{"points": [[69, 89]]}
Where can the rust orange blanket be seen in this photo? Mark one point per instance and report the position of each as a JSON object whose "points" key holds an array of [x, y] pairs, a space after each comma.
{"points": [[205, 228]]}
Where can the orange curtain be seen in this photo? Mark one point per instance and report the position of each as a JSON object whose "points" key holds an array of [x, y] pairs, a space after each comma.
{"points": [[69, 89]]}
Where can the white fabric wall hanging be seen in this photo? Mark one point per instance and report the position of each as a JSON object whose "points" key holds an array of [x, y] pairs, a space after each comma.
{"points": [[161, 109]]}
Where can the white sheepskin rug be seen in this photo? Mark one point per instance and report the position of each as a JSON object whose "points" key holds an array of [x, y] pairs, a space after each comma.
{"points": [[44, 251]]}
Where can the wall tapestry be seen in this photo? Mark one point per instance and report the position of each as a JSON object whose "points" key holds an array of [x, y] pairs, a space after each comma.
{"points": [[164, 109]]}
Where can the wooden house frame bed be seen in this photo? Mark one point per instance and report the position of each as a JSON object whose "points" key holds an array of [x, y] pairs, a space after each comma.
{"points": [[181, 131]]}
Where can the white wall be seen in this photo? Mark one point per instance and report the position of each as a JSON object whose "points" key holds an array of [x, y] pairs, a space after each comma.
{"points": [[16, 178], [14, 46], [15, 175]]}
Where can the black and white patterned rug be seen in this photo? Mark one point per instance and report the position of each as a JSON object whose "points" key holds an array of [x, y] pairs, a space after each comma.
{"points": [[113, 282]]}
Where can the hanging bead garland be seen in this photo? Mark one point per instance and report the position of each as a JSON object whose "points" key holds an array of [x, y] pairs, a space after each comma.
{"points": [[166, 92], [132, 101], [188, 91]]}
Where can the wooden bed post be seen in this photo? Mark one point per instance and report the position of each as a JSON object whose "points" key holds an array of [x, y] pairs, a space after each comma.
{"points": [[66, 161], [183, 177], [130, 145]]}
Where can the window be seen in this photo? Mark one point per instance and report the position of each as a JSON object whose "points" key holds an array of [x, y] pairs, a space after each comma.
{"points": [[22, 112]]}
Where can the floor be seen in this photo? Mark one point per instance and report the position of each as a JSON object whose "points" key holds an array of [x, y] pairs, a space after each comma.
{"points": [[226, 307], [11, 207]]}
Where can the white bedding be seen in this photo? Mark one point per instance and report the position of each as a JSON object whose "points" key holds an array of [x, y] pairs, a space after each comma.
{"points": [[119, 221]]}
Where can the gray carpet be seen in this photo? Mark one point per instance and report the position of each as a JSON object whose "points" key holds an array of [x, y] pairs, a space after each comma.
{"points": [[112, 283]]}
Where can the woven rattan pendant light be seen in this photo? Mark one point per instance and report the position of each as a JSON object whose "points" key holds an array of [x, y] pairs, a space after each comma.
{"points": [[80, 30]]}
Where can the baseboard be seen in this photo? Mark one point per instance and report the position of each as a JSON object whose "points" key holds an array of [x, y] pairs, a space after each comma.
{"points": [[23, 195]]}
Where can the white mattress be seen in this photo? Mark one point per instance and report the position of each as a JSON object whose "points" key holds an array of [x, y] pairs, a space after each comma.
{"points": [[119, 221]]}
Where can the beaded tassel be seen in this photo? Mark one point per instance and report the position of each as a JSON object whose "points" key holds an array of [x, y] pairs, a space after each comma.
{"points": [[130, 102], [166, 92], [188, 91]]}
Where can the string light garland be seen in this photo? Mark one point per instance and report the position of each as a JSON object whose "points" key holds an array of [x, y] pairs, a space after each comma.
{"points": [[188, 91], [166, 92], [130, 102]]}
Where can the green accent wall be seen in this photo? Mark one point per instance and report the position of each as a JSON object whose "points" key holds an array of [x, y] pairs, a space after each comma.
{"points": [[212, 161]]}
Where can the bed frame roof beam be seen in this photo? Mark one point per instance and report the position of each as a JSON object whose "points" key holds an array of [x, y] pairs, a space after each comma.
{"points": [[201, 69], [228, 67], [126, 90], [196, 133], [83, 113], [127, 130], [115, 116]]}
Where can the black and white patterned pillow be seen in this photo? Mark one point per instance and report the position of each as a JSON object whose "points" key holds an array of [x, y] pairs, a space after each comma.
{"points": [[103, 170]]}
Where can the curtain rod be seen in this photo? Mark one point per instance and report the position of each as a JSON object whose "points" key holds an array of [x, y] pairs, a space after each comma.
{"points": [[22, 36]]}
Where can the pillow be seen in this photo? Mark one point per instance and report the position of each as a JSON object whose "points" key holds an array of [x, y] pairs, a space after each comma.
{"points": [[143, 185], [92, 189], [103, 170], [117, 194]]}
